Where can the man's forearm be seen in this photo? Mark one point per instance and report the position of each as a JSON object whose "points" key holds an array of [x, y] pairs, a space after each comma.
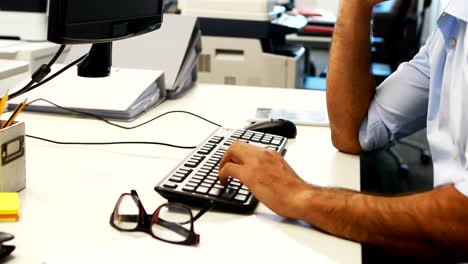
{"points": [[350, 86], [426, 223]]}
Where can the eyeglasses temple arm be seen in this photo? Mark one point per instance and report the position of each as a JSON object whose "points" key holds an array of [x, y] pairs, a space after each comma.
{"points": [[174, 227], [203, 211]]}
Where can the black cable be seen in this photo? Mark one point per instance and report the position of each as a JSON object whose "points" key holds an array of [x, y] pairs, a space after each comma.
{"points": [[21, 91], [117, 125], [57, 55], [110, 143], [38, 75], [58, 73]]}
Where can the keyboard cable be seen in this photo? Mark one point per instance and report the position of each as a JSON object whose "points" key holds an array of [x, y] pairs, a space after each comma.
{"points": [[100, 118]]}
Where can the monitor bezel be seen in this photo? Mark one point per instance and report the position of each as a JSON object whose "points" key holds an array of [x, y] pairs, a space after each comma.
{"points": [[61, 32]]}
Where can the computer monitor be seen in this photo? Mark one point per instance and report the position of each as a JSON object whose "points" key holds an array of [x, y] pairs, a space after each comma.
{"points": [[100, 22]]}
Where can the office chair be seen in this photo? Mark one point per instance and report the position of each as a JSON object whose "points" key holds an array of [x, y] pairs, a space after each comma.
{"points": [[403, 167], [397, 30]]}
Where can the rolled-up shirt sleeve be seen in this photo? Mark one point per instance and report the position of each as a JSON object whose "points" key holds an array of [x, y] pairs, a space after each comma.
{"points": [[400, 104]]}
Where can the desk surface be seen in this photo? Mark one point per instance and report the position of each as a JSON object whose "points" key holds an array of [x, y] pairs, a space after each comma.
{"points": [[71, 190]]}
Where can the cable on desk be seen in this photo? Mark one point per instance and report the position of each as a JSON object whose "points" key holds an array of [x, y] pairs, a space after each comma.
{"points": [[110, 143], [115, 124]]}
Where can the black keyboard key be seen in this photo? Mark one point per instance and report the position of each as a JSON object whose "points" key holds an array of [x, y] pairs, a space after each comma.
{"points": [[244, 192], [199, 174], [228, 194], [204, 171], [195, 181], [170, 185], [237, 134], [180, 174], [276, 141], [234, 183], [191, 164], [176, 179], [202, 190], [219, 186], [216, 140], [241, 197], [183, 172], [189, 188], [205, 151], [205, 184], [215, 192], [246, 137], [200, 178], [210, 181], [211, 163]]}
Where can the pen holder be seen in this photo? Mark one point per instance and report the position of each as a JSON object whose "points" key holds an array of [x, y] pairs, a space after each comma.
{"points": [[13, 159]]}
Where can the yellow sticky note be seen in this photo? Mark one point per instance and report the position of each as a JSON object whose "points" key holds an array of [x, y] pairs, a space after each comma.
{"points": [[9, 204]]}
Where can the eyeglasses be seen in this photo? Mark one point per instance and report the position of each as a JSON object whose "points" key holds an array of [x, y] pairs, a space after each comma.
{"points": [[5, 250], [170, 222]]}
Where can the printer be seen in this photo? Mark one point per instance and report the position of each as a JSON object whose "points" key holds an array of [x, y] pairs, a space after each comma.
{"points": [[23, 19], [244, 43]]}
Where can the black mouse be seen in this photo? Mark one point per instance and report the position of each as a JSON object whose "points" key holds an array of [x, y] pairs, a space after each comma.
{"points": [[279, 127]]}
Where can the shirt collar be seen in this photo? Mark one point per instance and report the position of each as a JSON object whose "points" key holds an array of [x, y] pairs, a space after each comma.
{"points": [[458, 9]]}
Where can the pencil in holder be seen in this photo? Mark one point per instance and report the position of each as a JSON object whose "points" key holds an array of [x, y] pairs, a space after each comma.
{"points": [[13, 158]]}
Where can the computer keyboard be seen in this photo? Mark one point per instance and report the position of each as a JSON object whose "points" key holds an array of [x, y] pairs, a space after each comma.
{"points": [[195, 180]]}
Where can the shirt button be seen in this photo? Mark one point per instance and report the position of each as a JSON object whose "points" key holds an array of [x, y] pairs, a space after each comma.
{"points": [[453, 42]]}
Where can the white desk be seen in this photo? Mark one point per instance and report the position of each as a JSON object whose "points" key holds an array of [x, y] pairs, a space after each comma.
{"points": [[71, 190]]}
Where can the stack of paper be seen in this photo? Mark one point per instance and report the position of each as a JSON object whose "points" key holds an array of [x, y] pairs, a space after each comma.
{"points": [[9, 207], [124, 95]]}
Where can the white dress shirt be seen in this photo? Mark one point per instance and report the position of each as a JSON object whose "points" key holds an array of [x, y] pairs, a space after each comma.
{"points": [[430, 91]]}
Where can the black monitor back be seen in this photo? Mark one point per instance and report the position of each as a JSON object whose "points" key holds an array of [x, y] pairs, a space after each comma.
{"points": [[101, 21]]}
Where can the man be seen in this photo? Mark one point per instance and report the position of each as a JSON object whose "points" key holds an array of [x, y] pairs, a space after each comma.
{"points": [[430, 91]]}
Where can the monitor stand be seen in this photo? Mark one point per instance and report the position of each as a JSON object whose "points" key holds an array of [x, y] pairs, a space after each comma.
{"points": [[98, 62]]}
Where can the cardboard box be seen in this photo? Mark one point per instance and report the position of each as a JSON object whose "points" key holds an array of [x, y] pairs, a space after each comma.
{"points": [[12, 158]]}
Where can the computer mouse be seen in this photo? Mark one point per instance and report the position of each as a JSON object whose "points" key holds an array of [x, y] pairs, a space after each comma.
{"points": [[279, 127]]}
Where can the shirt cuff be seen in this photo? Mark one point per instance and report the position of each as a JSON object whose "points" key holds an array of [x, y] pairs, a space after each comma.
{"points": [[373, 136], [462, 187]]}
